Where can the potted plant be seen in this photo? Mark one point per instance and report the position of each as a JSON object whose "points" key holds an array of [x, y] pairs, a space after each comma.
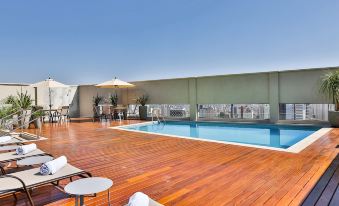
{"points": [[142, 100], [5, 116], [96, 101], [114, 99], [330, 86], [24, 101], [37, 113], [11, 101]]}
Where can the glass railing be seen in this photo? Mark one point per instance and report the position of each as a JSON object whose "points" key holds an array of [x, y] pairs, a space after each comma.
{"points": [[233, 111], [175, 111], [304, 111]]}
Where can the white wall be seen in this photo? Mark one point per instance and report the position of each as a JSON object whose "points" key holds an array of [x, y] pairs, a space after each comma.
{"points": [[59, 96], [10, 89], [86, 94]]}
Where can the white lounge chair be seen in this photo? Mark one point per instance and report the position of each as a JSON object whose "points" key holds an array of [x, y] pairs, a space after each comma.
{"points": [[21, 138], [12, 156], [25, 180]]}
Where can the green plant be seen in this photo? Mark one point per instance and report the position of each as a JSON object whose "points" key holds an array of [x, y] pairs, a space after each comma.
{"points": [[97, 99], [142, 100], [330, 86], [38, 114], [10, 100], [114, 99], [5, 112], [23, 100], [37, 111]]}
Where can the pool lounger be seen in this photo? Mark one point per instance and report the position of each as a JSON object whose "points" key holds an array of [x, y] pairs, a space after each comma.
{"points": [[20, 139], [26, 180], [12, 156]]}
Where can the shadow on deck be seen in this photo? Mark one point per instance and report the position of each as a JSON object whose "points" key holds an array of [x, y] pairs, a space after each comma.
{"points": [[326, 191]]}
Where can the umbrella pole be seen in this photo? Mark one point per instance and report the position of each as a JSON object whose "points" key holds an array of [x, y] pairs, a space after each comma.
{"points": [[50, 100]]}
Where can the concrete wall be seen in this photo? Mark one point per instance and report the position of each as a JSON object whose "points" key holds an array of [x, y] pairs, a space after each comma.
{"points": [[13, 89], [302, 86], [236, 89], [86, 94], [59, 96], [295, 86], [172, 91]]}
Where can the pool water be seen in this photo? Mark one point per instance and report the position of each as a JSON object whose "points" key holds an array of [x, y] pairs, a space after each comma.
{"points": [[270, 135]]}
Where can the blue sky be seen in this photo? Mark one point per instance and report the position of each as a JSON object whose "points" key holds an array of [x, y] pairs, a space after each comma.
{"points": [[79, 42]]}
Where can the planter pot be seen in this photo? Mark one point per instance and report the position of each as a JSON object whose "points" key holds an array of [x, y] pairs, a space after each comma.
{"points": [[96, 111], [143, 112], [26, 116], [333, 118], [37, 123], [15, 120]]}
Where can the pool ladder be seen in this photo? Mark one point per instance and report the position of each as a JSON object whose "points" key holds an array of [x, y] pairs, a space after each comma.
{"points": [[156, 115]]}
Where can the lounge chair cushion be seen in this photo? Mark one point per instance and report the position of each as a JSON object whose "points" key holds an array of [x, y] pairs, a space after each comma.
{"points": [[14, 140], [33, 178], [10, 156], [4, 139]]}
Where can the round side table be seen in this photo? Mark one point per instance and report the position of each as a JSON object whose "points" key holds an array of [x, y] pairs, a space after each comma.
{"points": [[88, 186]]}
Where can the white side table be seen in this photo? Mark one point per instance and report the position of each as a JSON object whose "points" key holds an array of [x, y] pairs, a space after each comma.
{"points": [[35, 160], [88, 186]]}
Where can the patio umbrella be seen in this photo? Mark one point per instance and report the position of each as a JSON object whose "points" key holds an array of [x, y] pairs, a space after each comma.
{"points": [[114, 83], [49, 83]]}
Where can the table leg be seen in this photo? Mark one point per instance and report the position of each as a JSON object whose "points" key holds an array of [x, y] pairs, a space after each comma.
{"points": [[81, 200], [76, 200], [109, 199]]}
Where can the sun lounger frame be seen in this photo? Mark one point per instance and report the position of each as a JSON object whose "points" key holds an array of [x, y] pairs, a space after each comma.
{"points": [[26, 189]]}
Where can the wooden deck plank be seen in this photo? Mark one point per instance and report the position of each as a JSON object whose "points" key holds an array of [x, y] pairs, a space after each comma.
{"points": [[178, 171]]}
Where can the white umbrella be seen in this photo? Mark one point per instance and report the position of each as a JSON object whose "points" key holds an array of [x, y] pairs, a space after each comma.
{"points": [[114, 83], [49, 83]]}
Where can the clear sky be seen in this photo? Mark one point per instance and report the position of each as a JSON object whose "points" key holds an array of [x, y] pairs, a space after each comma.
{"points": [[79, 42]]}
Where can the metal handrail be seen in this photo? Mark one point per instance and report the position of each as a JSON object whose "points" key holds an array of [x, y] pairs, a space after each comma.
{"points": [[22, 119], [9, 115], [21, 126]]}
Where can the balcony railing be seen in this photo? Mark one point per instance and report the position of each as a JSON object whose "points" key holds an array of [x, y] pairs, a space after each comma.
{"points": [[304, 111], [169, 111], [233, 111]]}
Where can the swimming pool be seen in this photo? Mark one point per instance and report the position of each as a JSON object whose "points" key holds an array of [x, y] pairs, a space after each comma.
{"points": [[280, 137]]}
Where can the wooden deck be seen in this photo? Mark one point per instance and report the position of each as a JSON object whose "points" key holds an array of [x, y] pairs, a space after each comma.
{"points": [[326, 191], [178, 171]]}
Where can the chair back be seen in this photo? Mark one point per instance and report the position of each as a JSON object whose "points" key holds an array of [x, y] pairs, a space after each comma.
{"points": [[64, 110], [106, 109], [156, 112]]}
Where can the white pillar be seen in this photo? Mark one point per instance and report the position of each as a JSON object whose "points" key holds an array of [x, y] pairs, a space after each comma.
{"points": [[192, 98], [273, 88]]}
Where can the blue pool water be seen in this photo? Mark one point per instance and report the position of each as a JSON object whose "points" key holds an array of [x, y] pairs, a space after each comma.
{"points": [[278, 136]]}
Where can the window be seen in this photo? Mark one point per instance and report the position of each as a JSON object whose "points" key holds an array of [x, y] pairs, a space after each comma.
{"points": [[234, 111]]}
